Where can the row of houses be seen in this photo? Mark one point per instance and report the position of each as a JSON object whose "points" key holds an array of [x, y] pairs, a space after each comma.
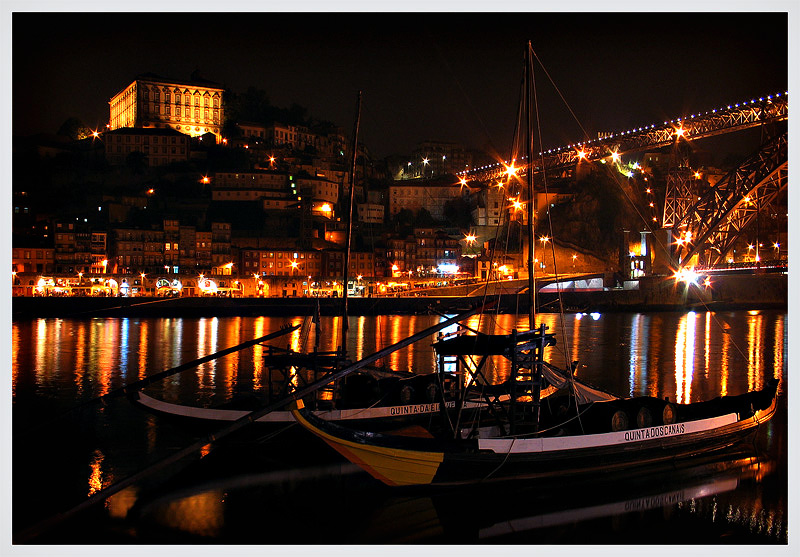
{"points": [[185, 250]]}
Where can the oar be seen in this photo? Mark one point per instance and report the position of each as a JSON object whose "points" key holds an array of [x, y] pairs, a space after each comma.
{"points": [[238, 424], [141, 383]]}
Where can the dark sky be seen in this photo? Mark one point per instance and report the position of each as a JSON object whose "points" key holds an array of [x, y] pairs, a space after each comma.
{"points": [[442, 76]]}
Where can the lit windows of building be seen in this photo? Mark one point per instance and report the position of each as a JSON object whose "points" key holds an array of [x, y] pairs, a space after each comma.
{"points": [[141, 105]]}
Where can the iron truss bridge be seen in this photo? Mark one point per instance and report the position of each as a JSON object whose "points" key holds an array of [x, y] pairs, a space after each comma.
{"points": [[714, 223], [733, 118]]}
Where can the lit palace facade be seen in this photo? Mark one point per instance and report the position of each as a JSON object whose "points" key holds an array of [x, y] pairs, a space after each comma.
{"points": [[193, 108]]}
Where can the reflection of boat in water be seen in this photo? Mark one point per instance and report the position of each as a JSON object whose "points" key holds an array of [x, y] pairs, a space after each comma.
{"points": [[682, 487], [212, 504], [564, 436]]}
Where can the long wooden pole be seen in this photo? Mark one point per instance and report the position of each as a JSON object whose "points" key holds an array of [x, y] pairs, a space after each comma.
{"points": [[536, 370], [136, 385], [208, 440], [350, 226]]}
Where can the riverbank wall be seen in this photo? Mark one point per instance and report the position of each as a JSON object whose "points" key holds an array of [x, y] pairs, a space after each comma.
{"points": [[769, 291]]}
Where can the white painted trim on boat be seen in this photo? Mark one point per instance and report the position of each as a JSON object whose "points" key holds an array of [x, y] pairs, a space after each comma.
{"points": [[548, 444], [280, 416]]}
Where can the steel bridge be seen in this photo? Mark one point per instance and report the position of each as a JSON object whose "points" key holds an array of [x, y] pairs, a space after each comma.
{"points": [[713, 222]]}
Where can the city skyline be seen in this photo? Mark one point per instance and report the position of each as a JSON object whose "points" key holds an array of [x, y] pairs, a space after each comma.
{"points": [[441, 76]]}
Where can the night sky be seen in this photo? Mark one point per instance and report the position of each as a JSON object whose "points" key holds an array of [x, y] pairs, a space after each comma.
{"points": [[441, 76]]}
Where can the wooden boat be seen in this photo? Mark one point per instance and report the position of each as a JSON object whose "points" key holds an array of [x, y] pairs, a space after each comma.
{"points": [[577, 431], [597, 439], [377, 403]]}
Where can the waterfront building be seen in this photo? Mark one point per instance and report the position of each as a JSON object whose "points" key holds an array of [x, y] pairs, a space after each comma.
{"points": [[139, 251], [220, 246], [175, 249], [77, 248], [192, 107], [32, 259], [428, 252]]}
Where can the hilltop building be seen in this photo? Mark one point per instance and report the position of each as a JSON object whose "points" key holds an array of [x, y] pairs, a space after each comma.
{"points": [[192, 107]]}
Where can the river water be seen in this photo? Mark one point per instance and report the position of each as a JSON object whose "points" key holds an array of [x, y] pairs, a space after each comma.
{"points": [[284, 492]]}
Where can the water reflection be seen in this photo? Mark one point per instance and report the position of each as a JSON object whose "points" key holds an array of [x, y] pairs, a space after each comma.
{"points": [[58, 363], [96, 481], [655, 354], [684, 358], [754, 347]]}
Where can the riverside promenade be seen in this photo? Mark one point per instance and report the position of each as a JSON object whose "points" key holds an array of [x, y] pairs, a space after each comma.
{"points": [[729, 292]]}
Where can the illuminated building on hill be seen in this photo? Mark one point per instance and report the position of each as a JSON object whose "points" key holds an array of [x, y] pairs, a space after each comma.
{"points": [[191, 107]]}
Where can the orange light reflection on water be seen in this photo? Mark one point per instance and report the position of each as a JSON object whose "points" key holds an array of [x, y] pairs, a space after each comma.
{"points": [[207, 331], [258, 354], [780, 349], [724, 368], [142, 352], [200, 514], [755, 341], [103, 337], [41, 363], [120, 503], [96, 481], [684, 357], [15, 364]]}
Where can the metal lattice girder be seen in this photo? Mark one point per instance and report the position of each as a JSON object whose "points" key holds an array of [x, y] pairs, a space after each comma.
{"points": [[681, 185], [718, 218], [771, 109], [680, 195]]}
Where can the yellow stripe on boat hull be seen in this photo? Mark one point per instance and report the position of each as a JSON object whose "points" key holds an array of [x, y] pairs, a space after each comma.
{"points": [[391, 466]]}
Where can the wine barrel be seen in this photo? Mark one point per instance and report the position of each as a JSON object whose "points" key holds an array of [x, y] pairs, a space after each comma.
{"points": [[669, 415], [619, 421], [431, 392], [406, 394], [644, 418]]}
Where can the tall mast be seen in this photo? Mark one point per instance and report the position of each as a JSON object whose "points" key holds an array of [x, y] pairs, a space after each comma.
{"points": [[350, 225], [535, 364], [528, 144]]}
